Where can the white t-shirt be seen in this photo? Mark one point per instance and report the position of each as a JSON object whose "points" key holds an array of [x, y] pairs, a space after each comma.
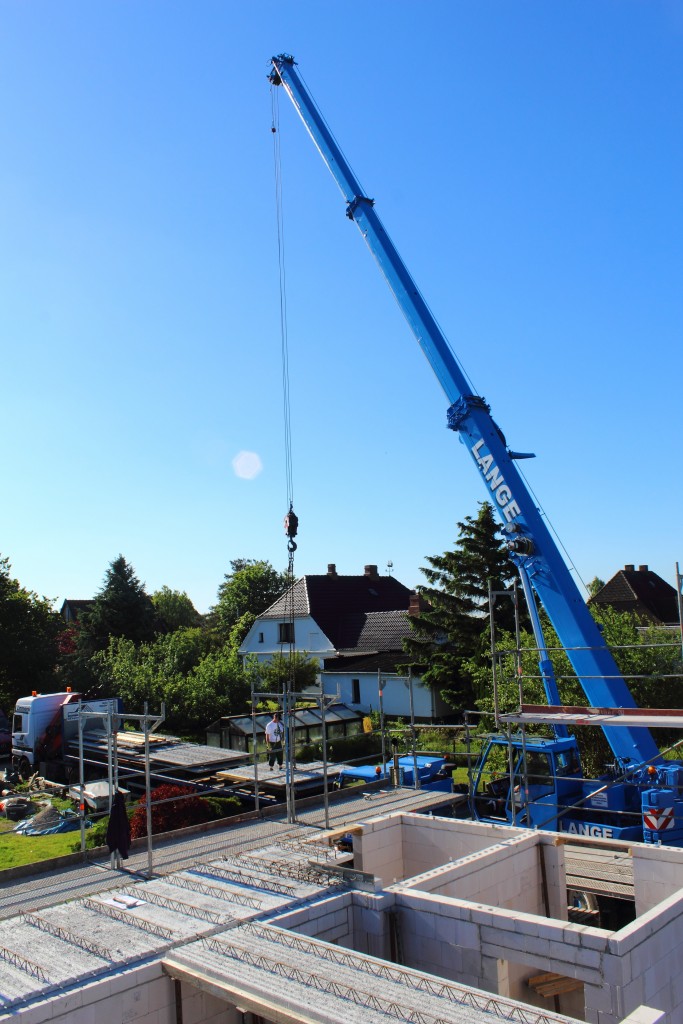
{"points": [[275, 732]]}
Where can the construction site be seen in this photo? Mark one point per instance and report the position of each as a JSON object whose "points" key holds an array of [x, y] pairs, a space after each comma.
{"points": [[548, 888], [429, 919]]}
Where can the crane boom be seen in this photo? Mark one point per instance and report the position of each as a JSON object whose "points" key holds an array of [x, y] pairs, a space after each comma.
{"points": [[531, 545]]}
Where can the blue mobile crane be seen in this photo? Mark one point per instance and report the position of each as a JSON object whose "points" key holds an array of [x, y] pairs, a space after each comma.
{"points": [[539, 782]]}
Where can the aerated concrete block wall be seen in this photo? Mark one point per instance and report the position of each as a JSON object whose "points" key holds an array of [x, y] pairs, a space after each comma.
{"points": [[643, 965], [329, 919], [465, 942], [143, 995], [379, 849], [507, 876], [657, 874], [371, 923], [402, 845], [429, 842]]}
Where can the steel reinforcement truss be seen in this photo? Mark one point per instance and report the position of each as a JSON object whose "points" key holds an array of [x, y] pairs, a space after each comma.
{"points": [[462, 996], [238, 877], [27, 966], [218, 892], [295, 870], [130, 919], [179, 906]]}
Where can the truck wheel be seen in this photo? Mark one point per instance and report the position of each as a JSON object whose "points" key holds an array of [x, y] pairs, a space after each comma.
{"points": [[24, 768]]}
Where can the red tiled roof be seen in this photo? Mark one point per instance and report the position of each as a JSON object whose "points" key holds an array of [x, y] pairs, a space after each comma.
{"points": [[640, 591], [342, 606]]}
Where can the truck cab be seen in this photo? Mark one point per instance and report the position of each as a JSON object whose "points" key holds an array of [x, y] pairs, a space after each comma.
{"points": [[32, 717]]}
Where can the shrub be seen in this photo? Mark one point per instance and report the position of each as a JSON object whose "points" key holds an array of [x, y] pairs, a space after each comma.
{"points": [[172, 807], [222, 806], [342, 748]]}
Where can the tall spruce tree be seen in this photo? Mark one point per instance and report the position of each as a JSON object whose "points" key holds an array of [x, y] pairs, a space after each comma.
{"points": [[453, 629], [122, 608]]}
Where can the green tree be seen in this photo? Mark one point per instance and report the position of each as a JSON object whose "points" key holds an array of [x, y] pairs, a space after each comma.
{"points": [[121, 608], [29, 640], [595, 586], [196, 683], [174, 609], [251, 587], [299, 667], [647, 656], [451, 636]]}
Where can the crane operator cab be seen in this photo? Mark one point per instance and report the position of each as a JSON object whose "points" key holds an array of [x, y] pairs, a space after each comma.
{"points": [[526, 782]]}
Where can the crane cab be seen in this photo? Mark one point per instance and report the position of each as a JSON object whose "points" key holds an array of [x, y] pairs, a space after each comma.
{"points": [[526, 782]]}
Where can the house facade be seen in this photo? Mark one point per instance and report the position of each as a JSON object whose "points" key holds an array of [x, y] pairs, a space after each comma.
{"points": [[354, 627]]}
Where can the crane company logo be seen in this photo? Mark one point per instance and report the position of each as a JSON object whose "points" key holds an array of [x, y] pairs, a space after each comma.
{"points": [[496, 482], [581, 828]]}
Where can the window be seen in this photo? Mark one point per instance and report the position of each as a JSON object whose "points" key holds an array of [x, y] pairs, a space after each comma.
{"points": [[260, 638], [285, 633], [355, 691]]}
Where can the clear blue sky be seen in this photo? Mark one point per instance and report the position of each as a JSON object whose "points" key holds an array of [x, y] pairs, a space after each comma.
{"points": [[527, 159]]}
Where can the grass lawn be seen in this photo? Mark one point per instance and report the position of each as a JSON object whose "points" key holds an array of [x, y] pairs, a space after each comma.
{"points": [[16, 849]]}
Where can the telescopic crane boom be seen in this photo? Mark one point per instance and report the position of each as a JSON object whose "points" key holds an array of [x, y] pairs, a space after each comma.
{"points": [[531, 545]]}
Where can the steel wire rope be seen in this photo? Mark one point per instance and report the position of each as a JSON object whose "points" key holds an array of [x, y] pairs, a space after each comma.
{"points": [[290, 519], [551, 527], [284, 339]]}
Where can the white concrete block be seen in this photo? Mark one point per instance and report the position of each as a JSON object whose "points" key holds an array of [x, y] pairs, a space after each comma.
{"points": [[600, 997], [656, 985], [87, 1015], [161, 993], [613, 970], [632, 995], [593, 938], [134, 1003], [644, 1015], [36, 1014], [70, 1002]]}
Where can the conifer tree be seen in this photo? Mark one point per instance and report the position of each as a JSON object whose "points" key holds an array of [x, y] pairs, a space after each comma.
{"points": [[122, 608], [453, 628]]}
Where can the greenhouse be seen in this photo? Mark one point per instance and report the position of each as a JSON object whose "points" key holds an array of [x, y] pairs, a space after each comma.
{"points": [[236, 732]]}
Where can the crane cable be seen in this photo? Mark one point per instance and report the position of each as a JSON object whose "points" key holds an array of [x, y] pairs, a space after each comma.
{"points": [[284, 345], [291, 521]]}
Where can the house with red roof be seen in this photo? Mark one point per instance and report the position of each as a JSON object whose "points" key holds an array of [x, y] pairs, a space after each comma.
{"points": [[354, 627], [642, 592]]}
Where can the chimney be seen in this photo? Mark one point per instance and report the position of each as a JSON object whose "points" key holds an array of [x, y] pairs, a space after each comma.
{"points": [[414, 608], [371, 570], [629, 568], [642, 568], [331, 569]]}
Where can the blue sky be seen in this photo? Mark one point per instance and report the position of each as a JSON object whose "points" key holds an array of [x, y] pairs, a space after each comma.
{"points": [[527, 160]]}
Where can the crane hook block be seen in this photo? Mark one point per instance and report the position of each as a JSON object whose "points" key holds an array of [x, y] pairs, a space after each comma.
{"points": [[291, 523]]}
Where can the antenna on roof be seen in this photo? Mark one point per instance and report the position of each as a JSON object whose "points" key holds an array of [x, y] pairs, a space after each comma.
{"points": [[390, 566]]}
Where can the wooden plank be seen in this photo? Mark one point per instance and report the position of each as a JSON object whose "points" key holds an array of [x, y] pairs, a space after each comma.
{"points": [[550, 984]]}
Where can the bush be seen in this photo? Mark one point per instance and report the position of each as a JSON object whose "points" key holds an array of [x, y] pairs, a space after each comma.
{"points": [[344, 748], [172, 807], [222, 806], [97, 835]]}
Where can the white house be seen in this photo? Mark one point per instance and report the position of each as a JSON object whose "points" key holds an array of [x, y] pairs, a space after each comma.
{"points": [[354, 626]]}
